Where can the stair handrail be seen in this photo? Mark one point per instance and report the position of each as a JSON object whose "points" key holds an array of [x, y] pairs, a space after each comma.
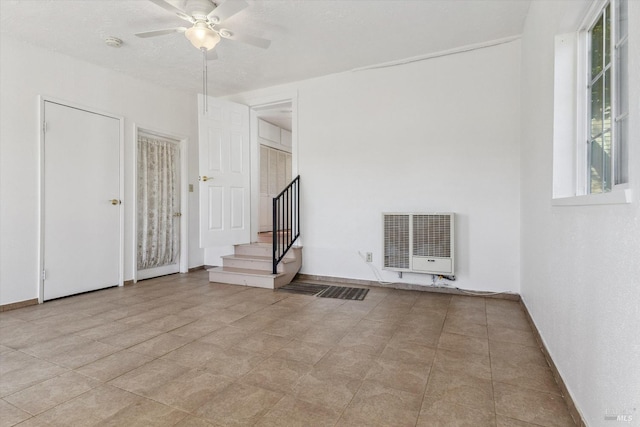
{"points": [[286, 221]]}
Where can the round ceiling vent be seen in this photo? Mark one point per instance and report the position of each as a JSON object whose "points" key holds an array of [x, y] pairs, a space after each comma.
{"points": [[113, 42]]}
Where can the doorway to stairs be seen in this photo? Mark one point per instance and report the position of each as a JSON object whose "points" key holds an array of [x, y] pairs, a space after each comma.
{"points": [[274, 159], [274, 137]]}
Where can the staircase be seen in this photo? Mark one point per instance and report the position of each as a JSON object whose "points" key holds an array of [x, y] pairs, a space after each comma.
{"points": [[251, 265], [268, 265]]}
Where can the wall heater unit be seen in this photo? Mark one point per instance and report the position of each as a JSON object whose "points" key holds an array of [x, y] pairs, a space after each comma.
{"points": [[419, 242]]}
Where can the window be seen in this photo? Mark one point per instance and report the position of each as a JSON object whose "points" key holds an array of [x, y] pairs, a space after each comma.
{"points": [[591, 107], [607, 103]]}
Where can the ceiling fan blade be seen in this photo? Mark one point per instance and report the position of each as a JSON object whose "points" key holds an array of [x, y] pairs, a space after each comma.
{"points": [[168, 6], [161, 32], [226, 10], [245, 38], [212, 55]]}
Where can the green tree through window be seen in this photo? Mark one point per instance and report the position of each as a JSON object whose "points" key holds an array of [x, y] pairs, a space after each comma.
{"points": [[607, 98]]}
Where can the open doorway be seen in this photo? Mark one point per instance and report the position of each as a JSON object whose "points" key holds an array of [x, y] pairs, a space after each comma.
{"points": [[160, 204], [274, 135]]}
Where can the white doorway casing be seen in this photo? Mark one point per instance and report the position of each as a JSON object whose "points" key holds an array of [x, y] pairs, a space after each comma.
{"points": [[81, 190], [259, 107], [183, 264]]}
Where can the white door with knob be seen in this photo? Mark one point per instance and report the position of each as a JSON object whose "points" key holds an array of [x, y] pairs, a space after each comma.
{"points": [[81, 202], [225, 176]]}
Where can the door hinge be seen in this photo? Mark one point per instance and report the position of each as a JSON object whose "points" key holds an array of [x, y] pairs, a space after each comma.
{"points": [[44, 127], [44, 274]]}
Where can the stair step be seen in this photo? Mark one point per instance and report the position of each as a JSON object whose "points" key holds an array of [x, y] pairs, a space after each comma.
{"points": [[246, 277], [261, 249], [251, 265], [247, 271], [252, 262], [255, 257], [254, 249]]}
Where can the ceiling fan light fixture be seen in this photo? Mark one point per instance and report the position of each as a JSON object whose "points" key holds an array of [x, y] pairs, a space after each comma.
{"points": [[202, 37]]}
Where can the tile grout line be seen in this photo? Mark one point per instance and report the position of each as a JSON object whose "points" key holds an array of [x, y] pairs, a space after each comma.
{"points": [[435, 354]]}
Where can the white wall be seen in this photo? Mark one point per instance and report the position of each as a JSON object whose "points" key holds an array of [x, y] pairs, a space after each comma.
{"points": [[580, 265], [25, 73], [436, 135]]}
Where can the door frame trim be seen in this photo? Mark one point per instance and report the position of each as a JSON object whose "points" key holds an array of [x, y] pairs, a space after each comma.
{"points": [[256, 104], [183, 144], [41, 187]]}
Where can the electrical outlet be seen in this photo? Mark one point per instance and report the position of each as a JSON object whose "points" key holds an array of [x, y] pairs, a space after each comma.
{"points": [[369, 257]]}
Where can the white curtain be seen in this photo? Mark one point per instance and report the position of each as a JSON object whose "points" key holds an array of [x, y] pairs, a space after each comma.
{"points": [[158, 233]]}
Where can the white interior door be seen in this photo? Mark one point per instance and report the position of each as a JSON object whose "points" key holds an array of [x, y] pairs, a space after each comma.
{"points": [[81, 201], [225, 176]]}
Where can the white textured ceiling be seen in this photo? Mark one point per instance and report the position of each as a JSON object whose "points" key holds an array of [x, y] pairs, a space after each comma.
{"points": [[310, 38]]}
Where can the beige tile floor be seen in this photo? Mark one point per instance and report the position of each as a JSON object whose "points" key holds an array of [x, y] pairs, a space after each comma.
{"points": [[180, 351]]}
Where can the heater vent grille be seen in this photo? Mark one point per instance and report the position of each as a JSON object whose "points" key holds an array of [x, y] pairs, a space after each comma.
{"points": [[419, 242], [431, 235], [396, 241]]}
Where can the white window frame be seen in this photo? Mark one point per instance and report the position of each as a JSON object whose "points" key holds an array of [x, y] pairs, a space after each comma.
{"points": [[575, 191]]}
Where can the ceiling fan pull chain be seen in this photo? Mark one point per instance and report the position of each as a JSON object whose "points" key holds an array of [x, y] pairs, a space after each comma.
{"points": [[204, 78]]}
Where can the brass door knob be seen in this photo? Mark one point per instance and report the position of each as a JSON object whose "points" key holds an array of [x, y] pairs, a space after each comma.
{"points": [[204, 178], [177, 214], [115, 202]]}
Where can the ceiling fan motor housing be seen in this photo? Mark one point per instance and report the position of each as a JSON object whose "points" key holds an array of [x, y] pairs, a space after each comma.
{"points": [[199, 9]]}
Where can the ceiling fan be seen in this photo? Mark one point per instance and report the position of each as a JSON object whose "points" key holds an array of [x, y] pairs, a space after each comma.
{"points": [[206, 17]]}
